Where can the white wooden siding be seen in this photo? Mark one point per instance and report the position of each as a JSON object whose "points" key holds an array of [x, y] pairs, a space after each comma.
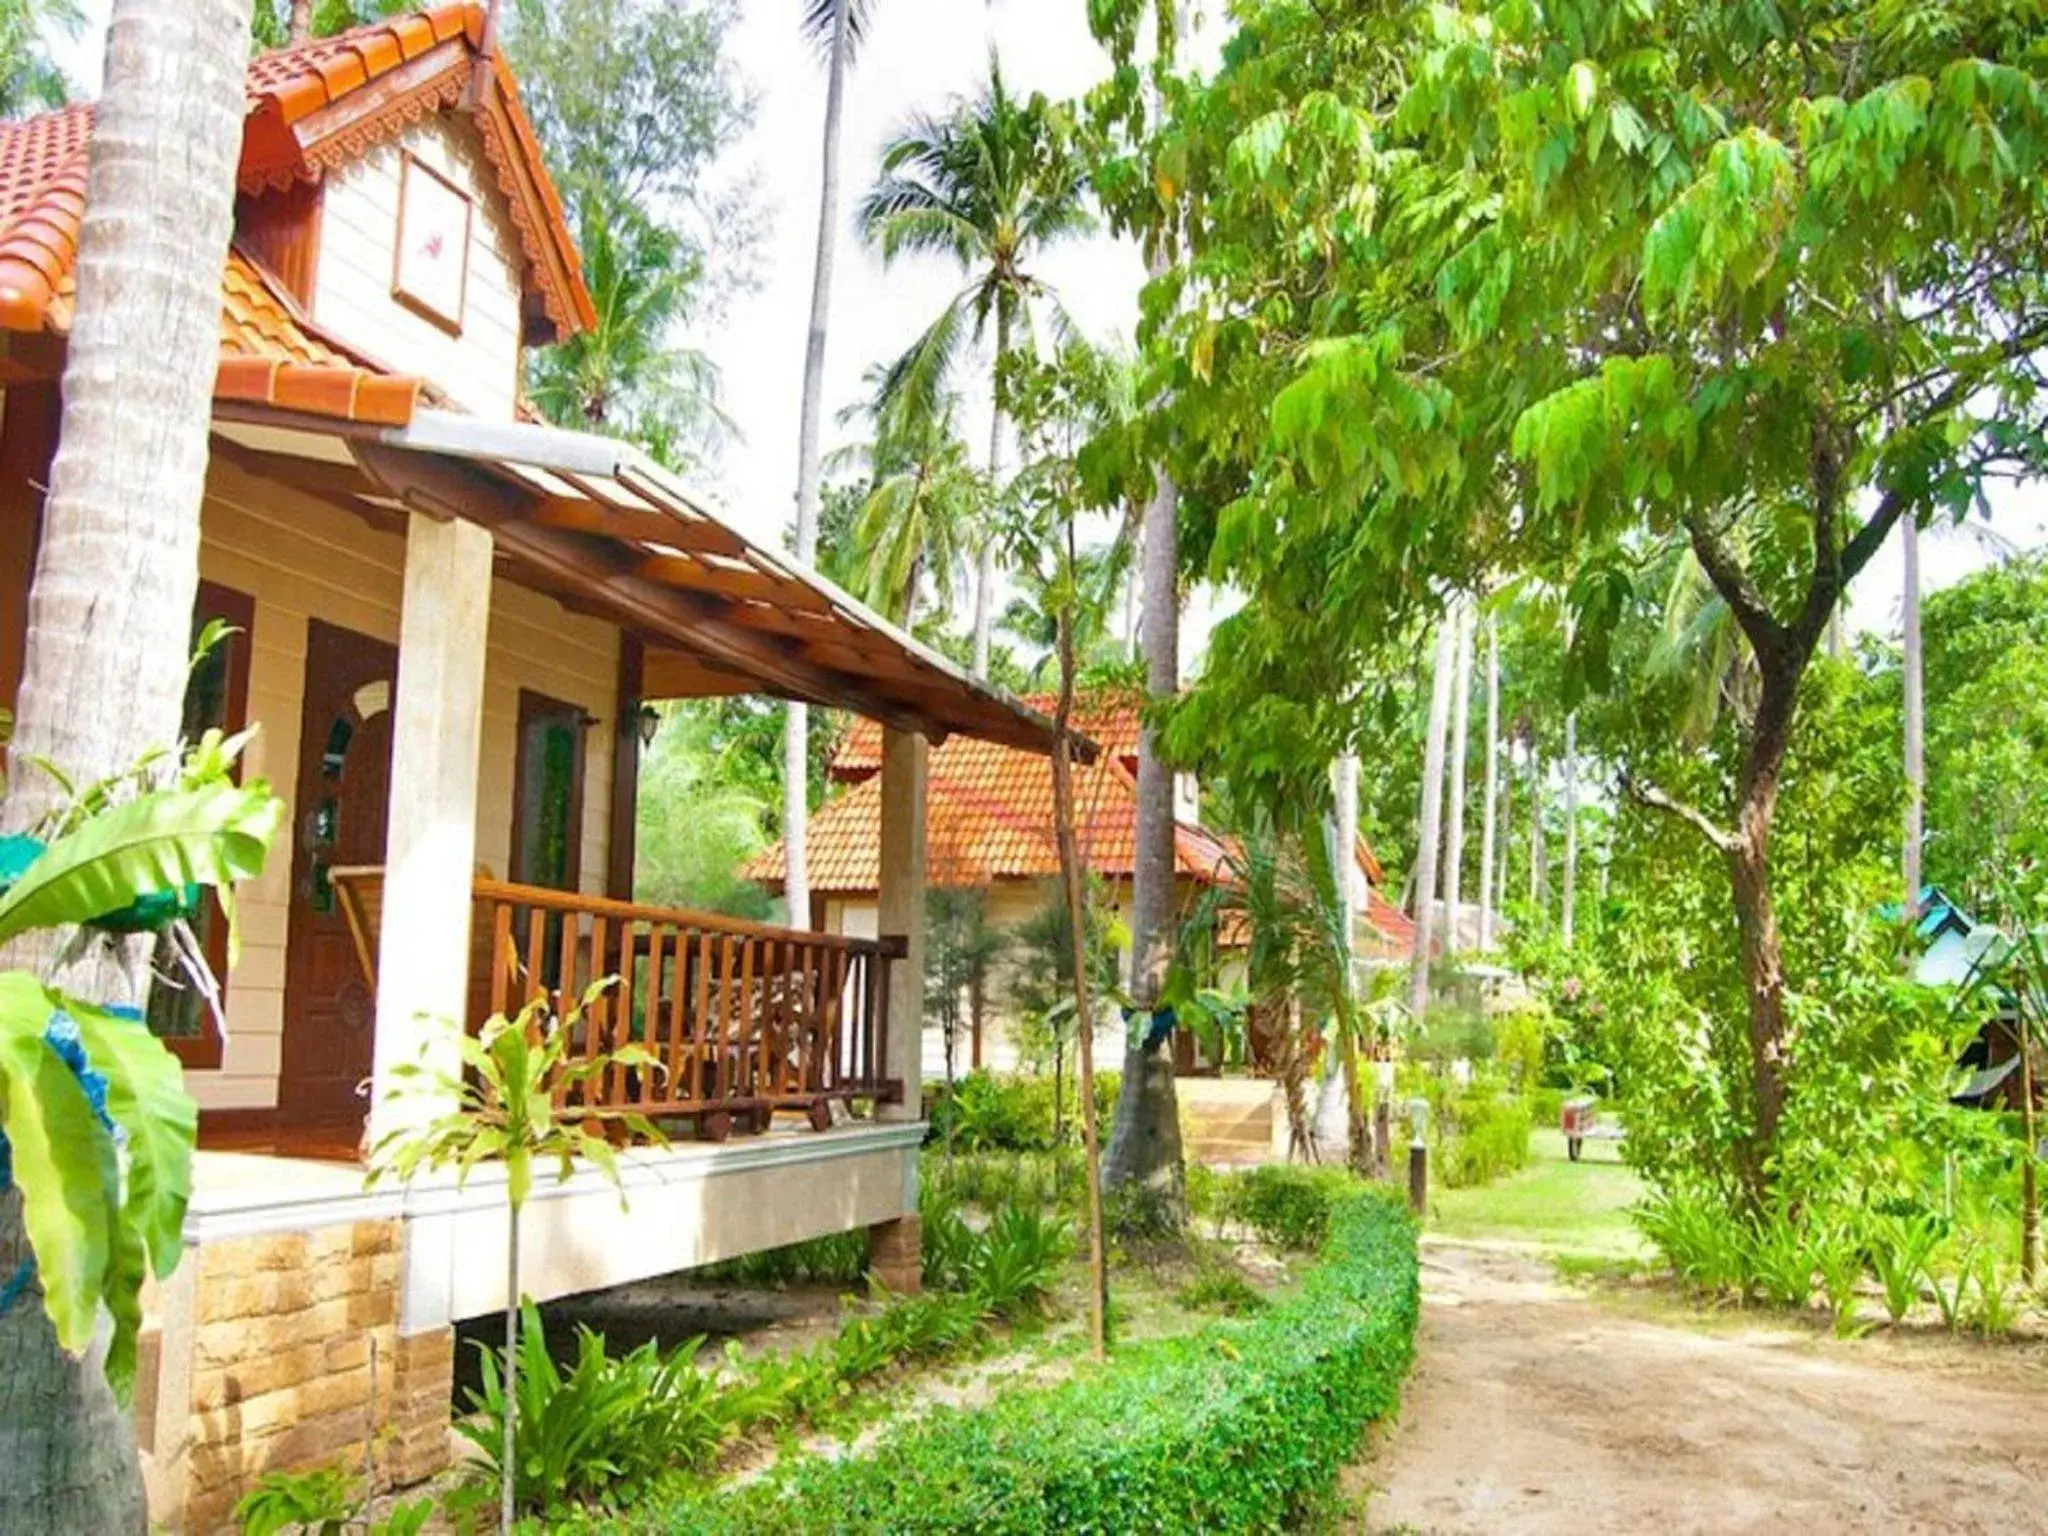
{"points": [[301, 559], [359, 238]]}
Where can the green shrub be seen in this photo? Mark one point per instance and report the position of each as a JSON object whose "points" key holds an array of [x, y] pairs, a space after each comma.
{"points": [[1017, 1261], [1287, 1206], [838, 1258], [1221, 1290], [1899, 1248], [988, 1113], [326, 1501], [599, 1429], [992, 1180], [1240, 1427], [1480, 1135]]}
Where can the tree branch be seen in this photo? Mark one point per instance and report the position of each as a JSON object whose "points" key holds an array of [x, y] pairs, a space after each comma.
{"points": [[1647, 794], [1735, 587]]}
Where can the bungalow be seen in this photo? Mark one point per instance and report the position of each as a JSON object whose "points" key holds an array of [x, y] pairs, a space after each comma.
{"points": [[990, 828], [450, 621]]}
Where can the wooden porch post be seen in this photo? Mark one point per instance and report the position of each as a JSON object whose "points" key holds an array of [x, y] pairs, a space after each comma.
{"points": [[901, 911], [430, 842], [895, 1247]]}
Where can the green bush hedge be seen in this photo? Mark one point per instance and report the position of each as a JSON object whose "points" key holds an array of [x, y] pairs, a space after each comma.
{"points": [[1485, 1135], [988, 1113], [1240, 1427]]}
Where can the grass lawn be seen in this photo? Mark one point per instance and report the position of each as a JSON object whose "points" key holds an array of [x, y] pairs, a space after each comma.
{"points": [[1569, 1208]]}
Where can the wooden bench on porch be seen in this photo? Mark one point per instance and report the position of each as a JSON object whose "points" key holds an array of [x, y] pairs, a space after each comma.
{"points": [[745, 1019]]}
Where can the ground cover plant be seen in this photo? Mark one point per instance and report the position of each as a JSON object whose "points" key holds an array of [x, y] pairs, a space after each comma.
{"points": [[1240, 1426]]}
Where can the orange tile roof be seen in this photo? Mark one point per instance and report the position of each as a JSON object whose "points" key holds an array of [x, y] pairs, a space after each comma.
{"points": [[1109, 718], [43, 165], [270, 356], [988, 817]]}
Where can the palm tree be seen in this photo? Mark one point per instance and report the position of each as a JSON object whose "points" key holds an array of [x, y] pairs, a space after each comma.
{"points": [[623, 374], [838, 26], [110, 611], [990, 183], [923, 503]]}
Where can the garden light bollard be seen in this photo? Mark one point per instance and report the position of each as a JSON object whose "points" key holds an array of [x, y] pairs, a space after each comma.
{"points": [[1418, 1155]]}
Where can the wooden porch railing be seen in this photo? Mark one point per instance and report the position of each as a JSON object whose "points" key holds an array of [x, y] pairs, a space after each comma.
{"points": [[743, 1019]]}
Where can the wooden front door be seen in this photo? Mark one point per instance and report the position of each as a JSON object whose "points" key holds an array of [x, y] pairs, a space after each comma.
{"points": [[344, 791]]}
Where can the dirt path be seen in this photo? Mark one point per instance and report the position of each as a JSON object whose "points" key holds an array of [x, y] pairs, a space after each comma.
{"points": [[1536, 1407]]}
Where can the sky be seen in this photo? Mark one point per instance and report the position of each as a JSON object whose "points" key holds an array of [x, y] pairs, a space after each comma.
{"points": [[920, 54]]}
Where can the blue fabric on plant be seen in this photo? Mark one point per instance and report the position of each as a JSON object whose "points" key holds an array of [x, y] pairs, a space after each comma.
{"points": [[1160, 1023], [61, 1035]]}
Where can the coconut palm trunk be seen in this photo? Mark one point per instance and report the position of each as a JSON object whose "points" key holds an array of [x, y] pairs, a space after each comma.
{"points": [[1454, 829], [1487, 885], [302, 22], [1539, 858], [110, 612], [1431, 832], [985, 561], [796, 736]]}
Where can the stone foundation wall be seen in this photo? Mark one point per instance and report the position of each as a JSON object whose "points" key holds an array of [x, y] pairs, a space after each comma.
{"points": [[278, 1358]]}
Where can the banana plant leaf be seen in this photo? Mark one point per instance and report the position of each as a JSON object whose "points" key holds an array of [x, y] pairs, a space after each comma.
{"points": [[64, 1162], [155, 844]]}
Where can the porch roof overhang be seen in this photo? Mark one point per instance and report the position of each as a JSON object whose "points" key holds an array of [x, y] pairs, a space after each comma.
{"points": [[600, 525]]}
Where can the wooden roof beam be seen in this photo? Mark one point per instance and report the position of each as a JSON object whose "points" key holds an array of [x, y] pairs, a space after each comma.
{"points": [[692, 621], [645, 527]]}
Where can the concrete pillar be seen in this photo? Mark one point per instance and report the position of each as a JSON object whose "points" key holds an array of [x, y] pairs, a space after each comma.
{"points": [[901, 913], [430, 842]]}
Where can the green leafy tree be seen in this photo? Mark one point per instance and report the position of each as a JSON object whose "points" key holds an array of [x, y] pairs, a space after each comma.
{"points": [[633, 102], [1987, 732], [961, 952], [500, 1107], [991, 184], [30, 80], [1515, 289], [704, 808]]}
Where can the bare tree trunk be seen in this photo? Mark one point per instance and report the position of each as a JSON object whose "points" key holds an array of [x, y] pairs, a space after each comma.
{"points": [[1539, 866], [110, 612], [302, 22], [1506, 836], [1134, 581], [1571, 826], [1916, 716], [796, 735], [1454, 831], [2030, 1194], [1487, 887], [1337, 1103], [1145, 1148], [1432, 816], [1084, 1007]]}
